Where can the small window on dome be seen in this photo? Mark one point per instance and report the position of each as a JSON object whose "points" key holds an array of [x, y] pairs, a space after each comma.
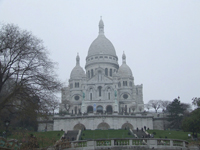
{"points": [[106, 71], [110, 57], [88, 74], [106, 57], [92, 73], [111, 72]]}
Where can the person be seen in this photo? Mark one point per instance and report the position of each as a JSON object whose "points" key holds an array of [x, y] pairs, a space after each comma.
{"points": [[145, 128], [137, 129], [142, 129]]}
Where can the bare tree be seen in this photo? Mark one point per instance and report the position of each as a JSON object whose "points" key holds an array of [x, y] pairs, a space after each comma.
{"points": [[187, 107], [67, 105], [196, 101], [53, 104], [147, 106], [155, 104], [164, 104], [25, 70]]}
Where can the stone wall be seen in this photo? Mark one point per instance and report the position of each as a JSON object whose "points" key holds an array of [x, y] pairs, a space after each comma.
{"points": [[102, 121], [45, 125]]}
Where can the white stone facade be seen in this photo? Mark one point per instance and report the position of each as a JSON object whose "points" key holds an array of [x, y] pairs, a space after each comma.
{"points": [[103, 89]]}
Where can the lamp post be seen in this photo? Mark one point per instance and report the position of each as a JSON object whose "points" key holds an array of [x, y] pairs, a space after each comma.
{"points": [[7, 123]]}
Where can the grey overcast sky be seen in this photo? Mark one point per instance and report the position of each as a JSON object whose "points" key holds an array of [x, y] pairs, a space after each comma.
{"points": [[161, 38]]}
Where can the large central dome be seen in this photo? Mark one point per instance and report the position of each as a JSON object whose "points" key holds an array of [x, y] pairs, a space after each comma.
{"points": [[101, 45], [101, 51]]}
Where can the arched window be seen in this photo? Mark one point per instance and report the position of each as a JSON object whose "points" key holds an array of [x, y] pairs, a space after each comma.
{"points": [[76, 110], [92, 73], [109, 109], [109, 96], [99, 109], [99, 88], [76, 84], [111, 72], [125, 108], [106, 71], [99, 76], [90, 96], [124, 83], [88, 74]]}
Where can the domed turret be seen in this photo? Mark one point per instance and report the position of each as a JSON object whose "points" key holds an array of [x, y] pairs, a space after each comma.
{"points": [[124, 70], [77, 72]]}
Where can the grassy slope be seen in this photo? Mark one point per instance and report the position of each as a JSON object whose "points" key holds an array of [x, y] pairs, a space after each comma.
{"points": [[100, 134], [44, 138], [170, 134]]}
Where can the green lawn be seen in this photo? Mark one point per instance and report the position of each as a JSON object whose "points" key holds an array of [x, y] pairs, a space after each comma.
{"points": [[106, 134], [44, 138], [170, 134]]}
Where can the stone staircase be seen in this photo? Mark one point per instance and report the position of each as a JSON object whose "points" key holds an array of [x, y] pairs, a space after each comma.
{"points": [[71, 135], [139, 133]]}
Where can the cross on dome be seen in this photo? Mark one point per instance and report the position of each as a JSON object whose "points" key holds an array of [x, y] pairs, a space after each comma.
{"points": [[101, 26], [124, 58], [77, 59]]}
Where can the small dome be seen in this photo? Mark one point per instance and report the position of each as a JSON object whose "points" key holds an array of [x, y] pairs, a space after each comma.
{"points": [[125, 71], [101, 45], [77, 73]]}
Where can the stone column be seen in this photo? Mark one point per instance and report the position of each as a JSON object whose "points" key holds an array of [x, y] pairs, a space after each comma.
{"points": [[112, 143], [130, 142], [171, 142]]}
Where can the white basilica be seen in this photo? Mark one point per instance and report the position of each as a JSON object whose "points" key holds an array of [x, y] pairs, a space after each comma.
{"points": [[103, 87], [103, 96]]}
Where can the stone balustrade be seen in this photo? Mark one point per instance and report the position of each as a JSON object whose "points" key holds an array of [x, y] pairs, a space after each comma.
{"points": [[131, 143]]}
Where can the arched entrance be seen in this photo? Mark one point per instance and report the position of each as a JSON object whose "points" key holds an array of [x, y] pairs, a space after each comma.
{"points": [[79, 126], [99, 109], [109, 109], [127, 126], [103, 126], [89, 109]]}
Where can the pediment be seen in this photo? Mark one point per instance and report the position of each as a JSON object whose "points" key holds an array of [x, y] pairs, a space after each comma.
{"points": [[100, 79]]}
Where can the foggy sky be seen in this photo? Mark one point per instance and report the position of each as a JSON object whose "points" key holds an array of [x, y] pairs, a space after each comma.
{"points": [[161, 39]]}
